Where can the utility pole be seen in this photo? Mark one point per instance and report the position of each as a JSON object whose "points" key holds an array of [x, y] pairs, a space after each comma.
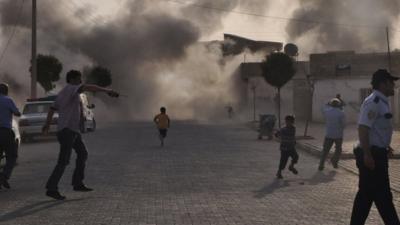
{"points": [[253, 88], [388, 45], [33, 69]]}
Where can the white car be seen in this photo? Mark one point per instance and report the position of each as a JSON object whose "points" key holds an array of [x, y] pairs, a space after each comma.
{"points": [[33, 118]]}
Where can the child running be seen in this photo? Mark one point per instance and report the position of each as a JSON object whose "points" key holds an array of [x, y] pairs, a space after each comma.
{"points": [[162, 121], [287, 147]]}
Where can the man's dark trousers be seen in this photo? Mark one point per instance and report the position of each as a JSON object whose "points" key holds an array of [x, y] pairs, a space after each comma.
{"points": [[8, 146], [328, 143], [374, 186], [69, 140]]}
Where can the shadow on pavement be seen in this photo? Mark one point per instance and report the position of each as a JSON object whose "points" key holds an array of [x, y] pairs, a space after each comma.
{"points": [[34, 208], [317, 178]]}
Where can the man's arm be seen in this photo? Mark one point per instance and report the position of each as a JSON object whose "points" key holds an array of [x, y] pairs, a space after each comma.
{"points": [[363, 135], [18, 114], [46, 126], [14, 109], [155, 119], [96, 88]]}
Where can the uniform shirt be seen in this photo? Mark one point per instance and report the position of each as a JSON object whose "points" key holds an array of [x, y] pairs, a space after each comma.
{"points": [[288, 138], [375, 114], [334, 119], [68, 105], [7, 109], [162, 121]]}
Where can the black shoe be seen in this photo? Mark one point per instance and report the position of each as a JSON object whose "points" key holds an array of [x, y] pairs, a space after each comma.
{"points": [[55, 194], [82, 188], [6, 184], [293, 170], [334, 164], [279, 176]]}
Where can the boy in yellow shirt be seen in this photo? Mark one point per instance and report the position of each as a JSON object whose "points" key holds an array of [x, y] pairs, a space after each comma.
{"points": [[162, 121]]}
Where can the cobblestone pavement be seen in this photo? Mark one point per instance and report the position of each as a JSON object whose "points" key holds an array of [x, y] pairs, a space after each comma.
{"points": [[206, 174]]}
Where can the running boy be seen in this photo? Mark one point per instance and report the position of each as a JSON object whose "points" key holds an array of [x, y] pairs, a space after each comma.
{"points": [[162, 121], [287, 147]]}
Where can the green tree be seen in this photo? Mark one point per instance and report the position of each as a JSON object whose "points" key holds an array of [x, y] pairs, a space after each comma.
{"points": [[277, 69], [100, 76], [48, 71]]}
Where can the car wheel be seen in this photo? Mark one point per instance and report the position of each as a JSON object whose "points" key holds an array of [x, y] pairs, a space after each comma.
{"points": [[27, 139], [93, 128]]}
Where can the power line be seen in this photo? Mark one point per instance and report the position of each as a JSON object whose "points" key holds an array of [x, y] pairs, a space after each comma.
{"points": [[274, 17], [14, 29]]}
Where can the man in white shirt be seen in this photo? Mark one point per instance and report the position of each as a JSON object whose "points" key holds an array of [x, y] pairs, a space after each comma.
{"points": [[335, 123], [68, 105]]}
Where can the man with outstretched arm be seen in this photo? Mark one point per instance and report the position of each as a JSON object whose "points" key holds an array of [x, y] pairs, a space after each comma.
{"points": [[68, 106]]}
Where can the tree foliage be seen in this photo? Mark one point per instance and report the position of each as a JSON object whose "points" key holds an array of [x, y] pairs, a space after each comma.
{"points": [[48, 71], [100, 76], [278, 69]]}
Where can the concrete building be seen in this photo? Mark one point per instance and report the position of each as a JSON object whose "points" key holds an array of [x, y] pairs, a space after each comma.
{"points": [[349, 74]]}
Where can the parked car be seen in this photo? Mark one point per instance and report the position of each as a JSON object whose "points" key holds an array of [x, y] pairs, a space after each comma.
{"points": [[88, 123], [33, 118]]}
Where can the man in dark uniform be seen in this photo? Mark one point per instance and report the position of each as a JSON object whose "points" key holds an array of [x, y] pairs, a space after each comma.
{"points": [[7, 136], [375, 133]]}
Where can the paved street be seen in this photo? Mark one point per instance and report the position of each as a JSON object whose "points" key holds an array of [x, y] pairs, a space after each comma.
{"points": [[206, 174]]}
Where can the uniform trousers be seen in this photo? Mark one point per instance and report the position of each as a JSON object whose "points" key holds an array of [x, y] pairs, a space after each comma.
{"points": [[69, 140], [374, 187]]}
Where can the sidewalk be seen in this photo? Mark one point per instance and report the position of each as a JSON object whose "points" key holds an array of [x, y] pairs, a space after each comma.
{"points": [[314, 146]]}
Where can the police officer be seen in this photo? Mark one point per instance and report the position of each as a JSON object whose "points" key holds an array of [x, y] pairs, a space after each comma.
{"points": [[375, 132], [7, 136]]}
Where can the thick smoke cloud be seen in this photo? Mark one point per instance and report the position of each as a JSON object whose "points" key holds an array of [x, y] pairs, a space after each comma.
{"points": [[362, 24], [209, 20], [154, 56]]}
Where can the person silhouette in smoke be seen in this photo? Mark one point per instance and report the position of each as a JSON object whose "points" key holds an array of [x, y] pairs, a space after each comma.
{"points": [[163, 122]]}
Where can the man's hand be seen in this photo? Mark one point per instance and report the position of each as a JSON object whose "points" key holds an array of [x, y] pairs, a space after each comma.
{"points": [[45, 128], [369, 162], [113, 94]]}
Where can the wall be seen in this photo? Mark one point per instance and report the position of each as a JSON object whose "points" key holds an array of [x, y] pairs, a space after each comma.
{"points": [[349, 88]]}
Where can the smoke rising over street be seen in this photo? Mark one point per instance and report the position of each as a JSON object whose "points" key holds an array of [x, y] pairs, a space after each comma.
{"points": [[155, 53]]}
